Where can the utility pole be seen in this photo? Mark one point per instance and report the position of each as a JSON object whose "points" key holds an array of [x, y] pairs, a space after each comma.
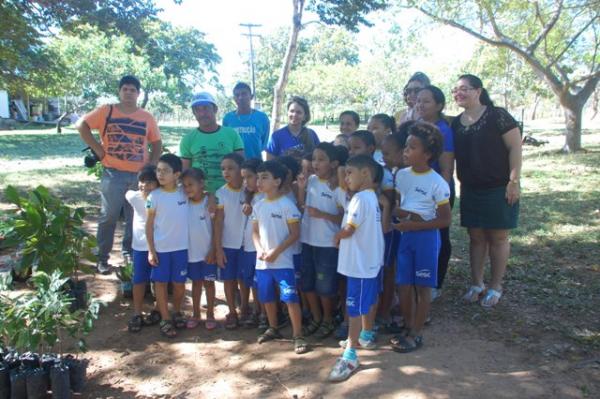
{"points": [[250, 36]]}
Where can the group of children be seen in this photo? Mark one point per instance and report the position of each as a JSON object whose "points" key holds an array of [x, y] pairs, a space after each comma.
{"points": [[325, 239]]}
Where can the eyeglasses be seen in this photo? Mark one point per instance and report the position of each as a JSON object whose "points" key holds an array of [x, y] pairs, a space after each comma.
{"points": [[411, 91], [462, 89]]}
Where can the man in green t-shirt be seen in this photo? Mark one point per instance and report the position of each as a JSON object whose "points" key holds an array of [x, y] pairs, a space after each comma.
{"points": [[205, 147]]}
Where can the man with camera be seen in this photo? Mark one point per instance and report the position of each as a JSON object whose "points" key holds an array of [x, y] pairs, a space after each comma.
{"points": [[125, 132]]}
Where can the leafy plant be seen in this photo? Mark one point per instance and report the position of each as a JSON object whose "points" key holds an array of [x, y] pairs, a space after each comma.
{"points": [[96, 170], [50, 232], [125, 273], [36, 321]]}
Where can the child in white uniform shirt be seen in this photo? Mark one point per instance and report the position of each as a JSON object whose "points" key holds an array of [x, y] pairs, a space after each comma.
{"points": [[424, 209], [360, 258]]}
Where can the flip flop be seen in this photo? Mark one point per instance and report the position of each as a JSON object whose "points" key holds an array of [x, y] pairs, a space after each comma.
{"points": [[404, 346], [491, 298], [192, 323], [473, 294], [210, 324]]}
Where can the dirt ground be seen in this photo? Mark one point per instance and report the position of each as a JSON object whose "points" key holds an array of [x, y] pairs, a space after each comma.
{"points": [[457, 361]]}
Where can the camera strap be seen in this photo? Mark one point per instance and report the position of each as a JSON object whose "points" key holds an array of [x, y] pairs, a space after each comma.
{"points": [[106, 121]]}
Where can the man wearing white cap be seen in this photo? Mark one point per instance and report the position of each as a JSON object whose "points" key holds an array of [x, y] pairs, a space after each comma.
{"points": [[205, 147]]}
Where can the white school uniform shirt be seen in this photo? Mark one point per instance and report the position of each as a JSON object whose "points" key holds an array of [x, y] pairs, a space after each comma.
{"points": [[316, 231], [361, 254], [248, 243], [421, 193], [138, 203], [297, 247], [272, 217], [343, 199], [171, 220], [199, 230], [230, 201]]}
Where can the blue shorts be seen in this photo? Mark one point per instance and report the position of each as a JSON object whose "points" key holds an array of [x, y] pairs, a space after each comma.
{"points": [[141, 267], [171, 268], [231, 271], [392, 240], [266, 280], [319, 270], [298, 269], [361, 294], [247, 266], [198, 271], [418, 258]]}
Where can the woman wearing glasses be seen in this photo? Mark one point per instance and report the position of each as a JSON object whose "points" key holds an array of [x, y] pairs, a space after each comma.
{"points": [[487, 147], [416, 82]]}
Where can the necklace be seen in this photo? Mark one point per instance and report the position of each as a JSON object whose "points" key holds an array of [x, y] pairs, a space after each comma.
{"points": [[468, 119]]}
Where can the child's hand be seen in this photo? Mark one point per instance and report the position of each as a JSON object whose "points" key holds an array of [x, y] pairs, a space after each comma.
{"points": [[384, 201], [336, 241], [210, 257], [301, 181], [405, 225], [247, 209], [313, 212], [220, 258], [270, 255], [152, 258], [212, 205]]}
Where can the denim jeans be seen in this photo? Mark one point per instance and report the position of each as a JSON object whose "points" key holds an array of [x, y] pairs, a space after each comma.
{"points": [[113, 186]]}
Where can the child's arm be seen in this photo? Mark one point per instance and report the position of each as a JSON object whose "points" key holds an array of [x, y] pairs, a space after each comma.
{"points": [[386, 208], [220, 257], [345, 232], [211, 205], [442, 220], [341, 176], [316, 213], [247, 207], [271, 254], [152, 257], [210, 256], [301, 183], [256, 240]]}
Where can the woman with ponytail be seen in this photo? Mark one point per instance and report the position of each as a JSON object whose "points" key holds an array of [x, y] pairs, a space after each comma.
{"points": [[487, 147], [294, 139]]}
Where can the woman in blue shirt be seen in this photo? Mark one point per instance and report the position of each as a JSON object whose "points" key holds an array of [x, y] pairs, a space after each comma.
{"points": [[429, 106], [295, 138]]}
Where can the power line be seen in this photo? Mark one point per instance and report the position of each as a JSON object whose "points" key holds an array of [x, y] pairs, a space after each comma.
{"points": [[250, 36]]}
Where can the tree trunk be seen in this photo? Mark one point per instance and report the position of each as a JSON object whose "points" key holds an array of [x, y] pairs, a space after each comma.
{"points": [[573, 115], [290, 54], [535, 105], [145, 99]]}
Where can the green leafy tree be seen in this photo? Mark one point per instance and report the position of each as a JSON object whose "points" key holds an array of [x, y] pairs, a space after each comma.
{"points": [[558, 39]]}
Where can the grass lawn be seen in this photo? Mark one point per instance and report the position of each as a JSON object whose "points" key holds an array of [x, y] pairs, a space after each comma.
{"points": [[551, 306]]}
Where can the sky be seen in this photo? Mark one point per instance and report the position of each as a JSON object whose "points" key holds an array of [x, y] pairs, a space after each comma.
{"points": [[220, 20]]}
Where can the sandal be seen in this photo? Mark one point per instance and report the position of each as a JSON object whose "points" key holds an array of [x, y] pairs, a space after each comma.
{"points": [[491, 298], [135, 324], [396, 339], [268, 335], [192, 323], [152, 318], [473, 294], [311, 328], [300, 345], [210, 324], [325, 330], [179, 321], [231, 321], [167, 329], [406, 346]]}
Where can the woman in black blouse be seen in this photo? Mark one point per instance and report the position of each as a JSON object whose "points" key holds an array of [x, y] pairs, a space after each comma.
{"points": [[487, 144]]}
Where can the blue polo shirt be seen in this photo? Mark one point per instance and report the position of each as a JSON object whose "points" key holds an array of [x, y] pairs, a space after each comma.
{"points": [[448, 143], [253, 128], [282, 141]]}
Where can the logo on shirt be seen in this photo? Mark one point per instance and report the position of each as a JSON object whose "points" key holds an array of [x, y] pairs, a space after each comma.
{"points": [[181, 202], [420, 191], [326, 195], [276, 216], [423, 273]]}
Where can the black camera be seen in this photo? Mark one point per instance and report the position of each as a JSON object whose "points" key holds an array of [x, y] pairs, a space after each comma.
{"points": [[91, 158]]}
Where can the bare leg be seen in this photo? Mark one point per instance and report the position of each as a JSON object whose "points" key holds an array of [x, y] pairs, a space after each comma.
{"points": [[386, 298], [296, 317], [257, 305], [139, 291], [196, 295], [209, 288], [230, 288], [407, 302], [477, 250], [369, 319], [354, 327], [178, 294], [271, 308], [244, 298], [327, 303], [162, 303], [422, 310], [314, 305], [499, 253]]}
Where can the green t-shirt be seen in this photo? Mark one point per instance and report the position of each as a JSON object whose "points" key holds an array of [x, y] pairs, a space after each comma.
{"points": [[206, 150]]}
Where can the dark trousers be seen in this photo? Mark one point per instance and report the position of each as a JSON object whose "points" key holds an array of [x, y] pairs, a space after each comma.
{"points": [[446, 247]]}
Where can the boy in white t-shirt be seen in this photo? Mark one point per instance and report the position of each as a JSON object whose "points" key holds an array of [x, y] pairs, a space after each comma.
{"points": [[276, 227], [424, 208], [360, 258], [147, 182], [167, 236]]}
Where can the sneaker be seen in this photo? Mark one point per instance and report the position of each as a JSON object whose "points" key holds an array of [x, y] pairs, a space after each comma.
{"points": [[343, 369], [435, 293], [342, 331], [103, 267]]}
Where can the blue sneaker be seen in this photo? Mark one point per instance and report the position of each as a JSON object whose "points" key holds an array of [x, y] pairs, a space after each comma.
{"points": [[342, 331]]}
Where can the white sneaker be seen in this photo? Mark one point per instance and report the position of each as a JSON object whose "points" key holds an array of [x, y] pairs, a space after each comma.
{"points": [[435, 293], [343, 369]]}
